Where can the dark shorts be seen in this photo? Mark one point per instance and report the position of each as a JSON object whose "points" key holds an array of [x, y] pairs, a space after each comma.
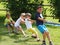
{"points": [[9, 25]]}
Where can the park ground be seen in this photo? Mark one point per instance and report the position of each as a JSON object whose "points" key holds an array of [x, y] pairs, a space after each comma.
{"points": [[13, 39]]}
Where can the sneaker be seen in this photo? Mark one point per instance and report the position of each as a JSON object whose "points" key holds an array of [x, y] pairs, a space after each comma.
{"points": [[44, 43], [50, 43], [15, 32], [38, 39], [33, 36]]}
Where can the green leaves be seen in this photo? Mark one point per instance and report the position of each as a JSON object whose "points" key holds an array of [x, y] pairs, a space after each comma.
{"points": [[56, 6], [19, 6]]}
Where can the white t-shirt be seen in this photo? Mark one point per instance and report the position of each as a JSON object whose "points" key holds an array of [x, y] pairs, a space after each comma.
{"points": [[28, 23], [17, 23], [41, 15]]}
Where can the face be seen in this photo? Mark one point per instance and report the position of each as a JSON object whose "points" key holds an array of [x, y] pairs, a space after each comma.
{"points": [[28, 17], [39, 10], [23, 17], [8, 16]]}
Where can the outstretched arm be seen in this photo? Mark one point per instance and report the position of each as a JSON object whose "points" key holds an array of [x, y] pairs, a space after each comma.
{"points": [[41, 19], [22, 21]]}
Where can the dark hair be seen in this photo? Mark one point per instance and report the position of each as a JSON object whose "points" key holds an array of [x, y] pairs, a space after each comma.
{"points": [[39, 7], [7, 15]]}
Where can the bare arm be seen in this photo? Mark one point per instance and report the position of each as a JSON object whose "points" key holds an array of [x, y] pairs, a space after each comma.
{"points": [[32, 21], [41, 19], [22, 21]]}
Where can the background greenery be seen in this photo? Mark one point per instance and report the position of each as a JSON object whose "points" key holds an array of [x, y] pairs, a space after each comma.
{"points": [[13, 39]]}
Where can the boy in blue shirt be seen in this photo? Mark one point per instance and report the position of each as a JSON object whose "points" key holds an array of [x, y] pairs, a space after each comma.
{"points": [[40, 25]]}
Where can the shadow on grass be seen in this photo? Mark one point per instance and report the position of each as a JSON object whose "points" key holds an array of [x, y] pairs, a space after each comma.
{"points": [[22, 40], [17, 38], [28, 41]]}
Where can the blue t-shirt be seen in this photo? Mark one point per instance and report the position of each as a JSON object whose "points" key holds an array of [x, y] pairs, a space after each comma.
{"points": [[38, 22]]}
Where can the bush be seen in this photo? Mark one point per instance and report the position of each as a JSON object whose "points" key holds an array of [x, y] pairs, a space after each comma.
{"points": [[19, 6]]}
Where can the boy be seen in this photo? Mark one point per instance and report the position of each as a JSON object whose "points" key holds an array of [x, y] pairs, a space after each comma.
{"points": [[40, 25], [9, 23], [28, 23], [18, 22]]}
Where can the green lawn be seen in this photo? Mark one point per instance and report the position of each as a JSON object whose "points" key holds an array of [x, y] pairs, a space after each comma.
{"points": [[13, 39]]}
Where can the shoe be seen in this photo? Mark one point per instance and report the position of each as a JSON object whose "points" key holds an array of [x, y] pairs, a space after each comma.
{"points": [[44, 43], [50, 43], [34, 36], [15, 32], [38, 39]]}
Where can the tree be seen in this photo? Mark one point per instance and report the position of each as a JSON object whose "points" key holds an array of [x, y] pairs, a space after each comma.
{"points": [[19, 6], [56, 6]]}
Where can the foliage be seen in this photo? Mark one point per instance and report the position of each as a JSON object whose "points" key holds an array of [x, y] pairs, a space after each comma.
{"points": [[19, 6], [56, 6]]}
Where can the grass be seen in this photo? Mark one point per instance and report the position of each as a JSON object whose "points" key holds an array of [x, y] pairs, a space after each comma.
{"points": [[13, 39]]}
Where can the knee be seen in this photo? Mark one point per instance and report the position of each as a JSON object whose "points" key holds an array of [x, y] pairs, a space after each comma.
{"points": [[47, 33]]}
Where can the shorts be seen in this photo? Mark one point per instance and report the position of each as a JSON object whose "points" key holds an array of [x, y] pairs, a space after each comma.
{"points": [[17, 26], [9, 25], [32, 30], [42, 28]]}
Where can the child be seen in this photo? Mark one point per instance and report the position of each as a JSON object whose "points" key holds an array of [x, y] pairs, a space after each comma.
{"points": [[28, 23], [40, 25], [9, 23], [18, 22]]}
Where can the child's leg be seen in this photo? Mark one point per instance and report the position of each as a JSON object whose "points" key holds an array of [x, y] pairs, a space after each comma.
{"points": [[34, 32], [47, 33], [48, 36], [43, 31], [20, 29], [44, 36], [49, 39], [8, 27], [13, 29], [12, 26]]}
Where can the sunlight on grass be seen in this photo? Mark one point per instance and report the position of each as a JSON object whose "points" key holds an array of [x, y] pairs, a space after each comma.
{"points": [[13, 39]]}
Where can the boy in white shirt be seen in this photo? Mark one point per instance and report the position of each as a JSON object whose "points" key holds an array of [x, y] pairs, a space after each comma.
{"points": [[18, 22], [28, 23]]}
